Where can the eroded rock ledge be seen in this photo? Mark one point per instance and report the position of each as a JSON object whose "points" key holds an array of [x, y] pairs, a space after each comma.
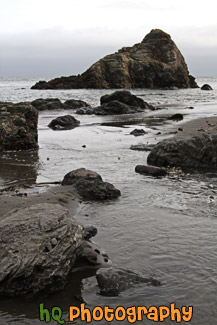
{"points": [[156, 62]]}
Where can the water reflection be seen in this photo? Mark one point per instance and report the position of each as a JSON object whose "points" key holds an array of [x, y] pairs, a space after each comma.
{"points": [[18, 167]]}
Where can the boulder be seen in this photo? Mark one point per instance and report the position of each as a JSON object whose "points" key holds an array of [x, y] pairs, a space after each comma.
{"points": [[75, 104], [150, 170], [117, 103], [125, 97], [206, 87], [18, 126], [92, 254], [194, 152], [138, 132], [39, 246], [156, 62], [176, 117], [47, 104], [114, 281], [66, 122], [90, 185]]}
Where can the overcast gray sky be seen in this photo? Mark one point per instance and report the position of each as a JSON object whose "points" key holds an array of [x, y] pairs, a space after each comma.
{"points": [[64, 37]]}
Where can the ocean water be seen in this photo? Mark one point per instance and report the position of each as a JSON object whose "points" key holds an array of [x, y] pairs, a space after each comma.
{"points": [[166, 228]]}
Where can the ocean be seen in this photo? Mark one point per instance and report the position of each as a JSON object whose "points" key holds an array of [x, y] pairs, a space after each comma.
{"points": [[165, 228]]}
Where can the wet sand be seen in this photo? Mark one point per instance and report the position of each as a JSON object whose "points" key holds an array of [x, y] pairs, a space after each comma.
{"points": [[192, 128], [16, 199]]}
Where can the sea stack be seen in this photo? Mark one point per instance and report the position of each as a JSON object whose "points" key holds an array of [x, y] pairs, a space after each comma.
{"points": [[156, 62]]}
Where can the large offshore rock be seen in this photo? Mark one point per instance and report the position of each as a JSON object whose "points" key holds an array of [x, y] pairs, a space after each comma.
{"points": [[38, 247], [90, 185], [18, 126], [199, 152], [156, 62]]}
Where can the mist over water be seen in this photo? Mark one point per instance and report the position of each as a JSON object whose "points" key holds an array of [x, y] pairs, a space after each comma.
{"points": [[165, 228]]}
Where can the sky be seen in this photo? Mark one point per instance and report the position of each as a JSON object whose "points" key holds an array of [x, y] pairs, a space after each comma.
{"points": [[50, 38]]}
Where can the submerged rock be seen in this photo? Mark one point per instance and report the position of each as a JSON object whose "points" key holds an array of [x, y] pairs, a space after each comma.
{"points": [[150, 170], [90, 185], [39, 246], [156, 62], [18, 126], [138, 132], [66, 122], [206, 87], [196, 152], [176, 117], [114, 281], [142, 147]]}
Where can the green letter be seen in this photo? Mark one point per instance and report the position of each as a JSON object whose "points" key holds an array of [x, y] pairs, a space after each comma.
{"points": [[57, 314], [46, 312]]}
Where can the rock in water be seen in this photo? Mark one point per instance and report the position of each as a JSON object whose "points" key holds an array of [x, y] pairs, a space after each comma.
{"points": [[75, 104], [114, 281], [90, 185], [156, 62], [196, 152], [38, 247], [206, 87], [176, 117], [66, 122], [18, 126], [42, 104], [138, 132], [150, 170]]}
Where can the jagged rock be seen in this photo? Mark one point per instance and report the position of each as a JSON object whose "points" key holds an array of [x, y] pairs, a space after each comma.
{"points": [[150, 170], [38, 247], [156, 62], [206, 87], [125, 97], [75, 104], [66, 122], [142, 147], [197, 152], [114, 281], [138, 132], [119, 102], [18, 126], [90, 185], [176, 117]]}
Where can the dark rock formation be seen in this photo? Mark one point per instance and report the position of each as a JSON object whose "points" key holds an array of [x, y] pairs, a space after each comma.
{"points": [[197, 152], [75, 104], [66, 122], [150, 170], [138, 132], [119, 102], [39, 246], [90, 185], [18, 126], [176, 117], [47, 104], [156, 62], [206, 87], [142, 147], [125, 97], [42, 104], [114, 281]]}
